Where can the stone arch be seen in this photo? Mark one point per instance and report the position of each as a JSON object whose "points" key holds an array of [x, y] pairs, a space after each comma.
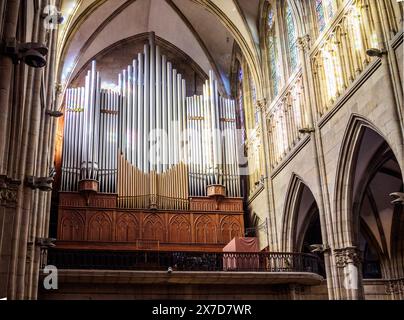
{"points": [[229, 18], [344, 218], [294, 227]]}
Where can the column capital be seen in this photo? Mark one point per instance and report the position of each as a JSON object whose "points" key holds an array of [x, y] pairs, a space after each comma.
{"points": [[261, 104], [303, 42], [347, 256], [8, 192], [58, 89]]}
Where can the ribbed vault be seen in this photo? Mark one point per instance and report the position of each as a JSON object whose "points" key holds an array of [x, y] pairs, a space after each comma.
{"points": [[204, 29]]}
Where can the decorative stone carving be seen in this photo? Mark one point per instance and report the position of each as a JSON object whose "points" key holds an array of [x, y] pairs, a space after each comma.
{"points": [[8, 191], [261, 105], [346, 256], [395, 286], [304, 42]]}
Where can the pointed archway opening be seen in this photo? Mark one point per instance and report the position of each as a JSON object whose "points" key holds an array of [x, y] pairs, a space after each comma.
{"points": [[376, 177], [302, 227]]}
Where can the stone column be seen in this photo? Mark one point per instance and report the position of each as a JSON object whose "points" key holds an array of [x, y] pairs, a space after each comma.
{"points": [[309, 83], [261, 106], [8, 186], [8, 203]]}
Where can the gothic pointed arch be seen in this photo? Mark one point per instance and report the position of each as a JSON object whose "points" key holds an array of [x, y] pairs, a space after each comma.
{"points": [[344, 179], [153, 228], [205, 230], [230, 228], [72, 226], [300, 217], [180, 229], [127, 228], [100, 227], [293, 197]]}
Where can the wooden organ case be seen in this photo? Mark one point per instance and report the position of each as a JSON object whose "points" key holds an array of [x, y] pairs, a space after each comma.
{"points": [[146, 167]]}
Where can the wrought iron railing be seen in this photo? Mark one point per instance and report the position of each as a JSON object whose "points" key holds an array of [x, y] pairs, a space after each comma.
{"points": [[183, 261]]}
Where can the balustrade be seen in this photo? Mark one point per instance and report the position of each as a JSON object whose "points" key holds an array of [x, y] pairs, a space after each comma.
{"points": [[339, 57], [184, 261], [285, 118]]}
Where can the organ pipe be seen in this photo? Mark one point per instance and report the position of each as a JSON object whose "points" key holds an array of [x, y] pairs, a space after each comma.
{"points": [[147, 141]]}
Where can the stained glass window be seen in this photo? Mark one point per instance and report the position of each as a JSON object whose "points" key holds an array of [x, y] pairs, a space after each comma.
{"points": [[270, 19], [273, 65], [325, 10], [254, 98], [330, 8], [241, 103], [253, 90], [320, 15], [291, 38], [272, 52]]}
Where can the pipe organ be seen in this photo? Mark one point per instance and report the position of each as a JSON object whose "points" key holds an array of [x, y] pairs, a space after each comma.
{"points": [[148, 140], [149, 145]]}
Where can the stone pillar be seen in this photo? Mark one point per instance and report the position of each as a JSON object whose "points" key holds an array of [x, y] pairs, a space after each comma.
{"points": [[309, 83], [8, 203]]}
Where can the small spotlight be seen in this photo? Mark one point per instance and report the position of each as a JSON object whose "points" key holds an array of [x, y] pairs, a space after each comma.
{"points": [[306, 130], [320, 248], [170, 270], [54, 19], [31, 53], [374, 52]]}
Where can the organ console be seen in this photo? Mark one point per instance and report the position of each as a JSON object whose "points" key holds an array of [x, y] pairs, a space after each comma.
{"points": [[147, 150]]}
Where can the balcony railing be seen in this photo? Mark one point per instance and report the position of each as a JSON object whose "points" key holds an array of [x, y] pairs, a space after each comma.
{"points": [[183, 261]]}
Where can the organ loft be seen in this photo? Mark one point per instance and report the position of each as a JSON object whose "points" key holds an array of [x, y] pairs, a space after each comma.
{"points": [[144, 165]]}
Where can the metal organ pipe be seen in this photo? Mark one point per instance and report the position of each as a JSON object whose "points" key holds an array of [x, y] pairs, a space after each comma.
{"points": [[141, 113], [134, 113], [158, 109], [107, 136], [164, 144], [146, 109], [170, 114]]}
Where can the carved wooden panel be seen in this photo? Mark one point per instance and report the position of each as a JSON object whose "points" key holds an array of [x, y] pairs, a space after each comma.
{"points": [[71, 200], [127, 228], [72, 226], [153, 228], [100, 227], [205, 230], [225, 205], [74, 199], [180, 229], [189, 230], [230, 228]]}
